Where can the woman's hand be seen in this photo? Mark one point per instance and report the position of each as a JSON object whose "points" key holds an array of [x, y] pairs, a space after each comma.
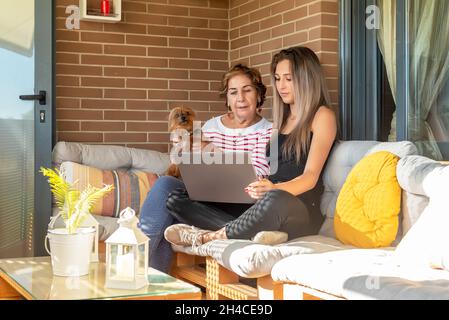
{"points": [[257, 189]]}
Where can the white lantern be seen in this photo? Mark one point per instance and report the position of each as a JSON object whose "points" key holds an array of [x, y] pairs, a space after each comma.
{"points": [[127, 254]]}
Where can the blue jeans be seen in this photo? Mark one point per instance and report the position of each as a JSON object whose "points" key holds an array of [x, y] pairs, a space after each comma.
{"points": [[155, 218]]}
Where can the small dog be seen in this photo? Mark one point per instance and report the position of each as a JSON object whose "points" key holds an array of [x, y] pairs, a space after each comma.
{"points": [[180, 118]]}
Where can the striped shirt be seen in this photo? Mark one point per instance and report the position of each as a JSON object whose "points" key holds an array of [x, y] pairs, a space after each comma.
{"points": [[253, 139]]}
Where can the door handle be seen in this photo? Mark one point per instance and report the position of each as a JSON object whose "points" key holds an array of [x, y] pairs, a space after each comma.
{"points": [[42, 97]]}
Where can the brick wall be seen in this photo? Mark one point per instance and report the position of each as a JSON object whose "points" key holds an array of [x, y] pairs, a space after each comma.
{"points": [[117, 82], [259, 28]]}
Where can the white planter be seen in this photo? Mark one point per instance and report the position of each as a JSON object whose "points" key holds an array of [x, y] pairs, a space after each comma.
{"points": [[70, 253]]}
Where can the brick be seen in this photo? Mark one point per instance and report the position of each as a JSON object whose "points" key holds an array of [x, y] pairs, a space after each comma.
{"points": [[283, 30], [146, 18], [224, 4], [125, 115], [208, 34], [77, 69], [159, 137], [102, 82], [80, 137], [204, 96], [219, 65], [188, 43], [208, 54], [168, 73], [260, 59], [102, 37], [169, 95], [67, 58], [219, 45], [146, 40], [102, 60], [65, 46], [168, 10], [167, 52], [295, 39], [241, 42], [250, 6], [250, 28], [259, 14], [260, 36], [190, 3], [209, 13], [147, 126], [283, 6], [79, 92], [67, 103], [157, 116], [271, 22], [69, 35], [124, 72], [206, 75], [188, 64], [66, 114], [146, 105], [102, 126], [125, 50], [126, 28], [125, 94], [240, 21], [218, 24], [168, 31], [146, 62], [125, 137], [195, 105], [146, 83], [250, 50], [296, 14], [271, 45], [102, 104], [69, 81], [189, 85], [67, 125], [128, 6], [188, 22]]}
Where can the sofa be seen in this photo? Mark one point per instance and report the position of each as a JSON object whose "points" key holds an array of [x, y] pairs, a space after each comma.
{"points": [[317, 266]]}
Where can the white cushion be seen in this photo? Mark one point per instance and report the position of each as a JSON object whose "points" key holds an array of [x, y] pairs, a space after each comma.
{"points": [[251, 260]]}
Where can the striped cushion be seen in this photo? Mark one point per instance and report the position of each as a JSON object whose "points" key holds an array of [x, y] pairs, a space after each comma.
{"points": [[130, 187]]}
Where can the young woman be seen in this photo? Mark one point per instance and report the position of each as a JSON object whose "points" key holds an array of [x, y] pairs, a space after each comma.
{"points": [[288, 200], [242, 128]]}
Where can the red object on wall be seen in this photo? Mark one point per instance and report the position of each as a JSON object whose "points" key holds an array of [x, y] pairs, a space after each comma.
{"points": [[105, 7]]}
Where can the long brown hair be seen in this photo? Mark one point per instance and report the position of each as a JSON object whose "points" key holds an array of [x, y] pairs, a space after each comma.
{"points": [[310, 92]]}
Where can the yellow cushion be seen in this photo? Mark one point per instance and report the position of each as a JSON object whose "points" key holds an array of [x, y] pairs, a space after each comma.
{"points": [[368, 205]]}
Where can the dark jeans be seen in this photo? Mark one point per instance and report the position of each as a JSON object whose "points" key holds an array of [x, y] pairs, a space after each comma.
{"points": [[277, 211]]}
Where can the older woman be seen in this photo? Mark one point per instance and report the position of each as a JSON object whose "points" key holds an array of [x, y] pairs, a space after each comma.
{"points": [[241, 129]]}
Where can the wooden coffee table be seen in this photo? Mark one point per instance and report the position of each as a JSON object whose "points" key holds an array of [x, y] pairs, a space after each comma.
{"points": [[32, 278]]}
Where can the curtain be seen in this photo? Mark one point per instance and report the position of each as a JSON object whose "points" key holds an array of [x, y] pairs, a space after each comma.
{"points": [[429, 68], [386, 38], [429, 64], [17, 26]]}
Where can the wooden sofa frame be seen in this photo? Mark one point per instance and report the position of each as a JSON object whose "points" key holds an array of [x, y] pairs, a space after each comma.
{"points": [[222, 284]]}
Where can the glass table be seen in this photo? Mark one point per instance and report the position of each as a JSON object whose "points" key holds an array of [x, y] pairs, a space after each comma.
{"points": [[32, 278]]}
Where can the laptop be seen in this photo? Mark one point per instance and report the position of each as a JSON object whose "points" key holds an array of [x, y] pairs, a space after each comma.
{"points": [[218, 181]]}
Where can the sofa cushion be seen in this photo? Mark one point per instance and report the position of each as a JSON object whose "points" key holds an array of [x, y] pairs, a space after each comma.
{"points": [[251, 260], [130, 187], [362, 274], [369, 202], [342, 159], [107, 157]]}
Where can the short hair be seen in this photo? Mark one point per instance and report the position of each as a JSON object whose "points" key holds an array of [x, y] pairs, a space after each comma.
{"points": [[252, 73]]}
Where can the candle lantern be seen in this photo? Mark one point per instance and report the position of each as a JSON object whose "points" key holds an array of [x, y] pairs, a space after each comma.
{"points": [[127, 254]]}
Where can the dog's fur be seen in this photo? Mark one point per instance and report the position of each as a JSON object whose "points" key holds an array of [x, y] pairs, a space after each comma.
{"points": [[180, 118]]}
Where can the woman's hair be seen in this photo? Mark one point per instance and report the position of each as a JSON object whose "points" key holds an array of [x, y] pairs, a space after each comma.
{"points": [[252, 73], [310, 92]]}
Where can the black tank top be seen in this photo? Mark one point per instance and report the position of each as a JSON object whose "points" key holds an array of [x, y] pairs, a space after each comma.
{"points": [[289, 169]]}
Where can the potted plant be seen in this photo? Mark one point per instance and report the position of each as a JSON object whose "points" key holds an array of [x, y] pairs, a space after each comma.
{"points": [[71, 246]]}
